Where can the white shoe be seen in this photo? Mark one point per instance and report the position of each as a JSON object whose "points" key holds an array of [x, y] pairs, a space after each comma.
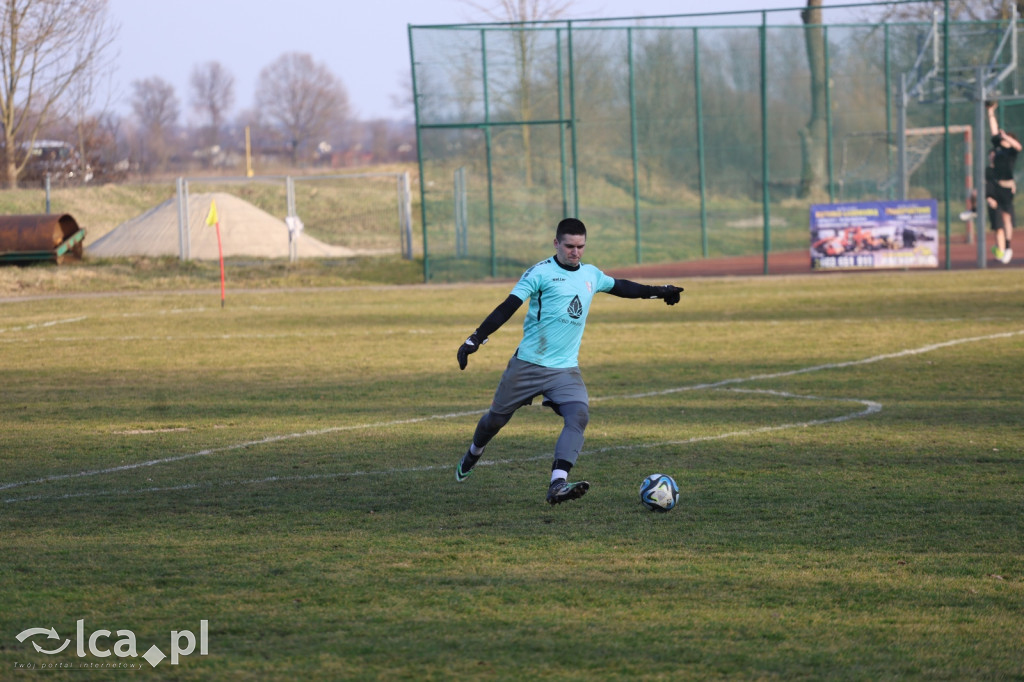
{"points": [[968, 215], [1007, 256]]}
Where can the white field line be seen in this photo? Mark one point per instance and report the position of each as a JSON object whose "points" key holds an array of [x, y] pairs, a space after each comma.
{"points": [[41, 325], [184, 338], [817, 368], [236, 446], [873, 407]]}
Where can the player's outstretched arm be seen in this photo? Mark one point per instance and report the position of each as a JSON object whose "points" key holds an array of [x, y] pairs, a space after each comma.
{"points": [[624, 288], [993, 121], [498, 317]]}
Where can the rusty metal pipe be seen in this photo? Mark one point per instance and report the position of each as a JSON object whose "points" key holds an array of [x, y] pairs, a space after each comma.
{"points": [[33, 234]]}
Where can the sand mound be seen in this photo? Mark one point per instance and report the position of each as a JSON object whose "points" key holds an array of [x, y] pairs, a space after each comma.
{"points": [[245, 230]]}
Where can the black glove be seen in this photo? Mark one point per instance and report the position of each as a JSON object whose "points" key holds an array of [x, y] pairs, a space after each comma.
{"points": [[471, 346], [669, 293]]}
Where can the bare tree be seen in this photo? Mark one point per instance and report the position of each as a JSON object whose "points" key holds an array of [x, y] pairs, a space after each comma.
{"points": [[301, 97], [92, 124], [520, 12], [814, 137], [45, 46], [157, 110], [959, 10], [101, 137], [213, 95]]}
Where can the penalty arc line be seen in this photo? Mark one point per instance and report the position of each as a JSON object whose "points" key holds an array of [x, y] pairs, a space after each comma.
{"points": [[818, 368], [718, 384], [871, 407]]}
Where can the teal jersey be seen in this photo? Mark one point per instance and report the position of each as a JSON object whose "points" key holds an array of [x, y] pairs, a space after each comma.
{"points": [[559, 304]]}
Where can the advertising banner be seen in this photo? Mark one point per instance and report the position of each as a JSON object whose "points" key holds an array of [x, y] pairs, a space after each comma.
{"points": [[875, 235]]}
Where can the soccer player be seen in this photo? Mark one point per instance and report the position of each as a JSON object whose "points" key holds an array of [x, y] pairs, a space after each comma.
{"points": [[560, 290], [1000, 186]]}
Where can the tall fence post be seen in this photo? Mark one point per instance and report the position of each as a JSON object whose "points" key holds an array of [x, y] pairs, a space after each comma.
{"points": [[184, 234], [574, 176], [561, 126], [901, 140], [828, 119], [419, 158], [698, 105], [489, 150], [633, 147], [980, 162], [405, 206], [945, 123], [765, 191], [292, 219], [461, 219]]}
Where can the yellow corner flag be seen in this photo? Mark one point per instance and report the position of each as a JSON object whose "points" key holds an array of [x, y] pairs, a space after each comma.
{"points": [[211, 218]]}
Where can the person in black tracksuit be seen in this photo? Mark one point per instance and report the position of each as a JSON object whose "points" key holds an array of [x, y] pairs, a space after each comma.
{"points": [[1000, 185]]}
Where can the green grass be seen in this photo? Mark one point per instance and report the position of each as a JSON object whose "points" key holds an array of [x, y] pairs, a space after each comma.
{"points": [[848, 448], [171, 274]]}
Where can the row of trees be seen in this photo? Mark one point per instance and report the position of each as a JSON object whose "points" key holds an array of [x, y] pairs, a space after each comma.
{"points": [[54, 55], [300, 114]]}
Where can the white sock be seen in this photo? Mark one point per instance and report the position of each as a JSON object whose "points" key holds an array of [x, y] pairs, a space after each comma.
{"points": [[559, 474], [476, 452]]}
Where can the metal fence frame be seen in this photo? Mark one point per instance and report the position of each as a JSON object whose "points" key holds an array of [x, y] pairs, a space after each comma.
{"points": [[935, 83]]}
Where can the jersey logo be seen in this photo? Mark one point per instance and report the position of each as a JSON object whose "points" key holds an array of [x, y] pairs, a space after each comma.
{"points": [[575, 309]]}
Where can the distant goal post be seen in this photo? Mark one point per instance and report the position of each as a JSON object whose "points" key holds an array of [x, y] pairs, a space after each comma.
{"points": [[365, 213], [878, 163]]}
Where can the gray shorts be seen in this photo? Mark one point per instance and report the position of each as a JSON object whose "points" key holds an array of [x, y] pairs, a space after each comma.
{"points": [[523, 381]]}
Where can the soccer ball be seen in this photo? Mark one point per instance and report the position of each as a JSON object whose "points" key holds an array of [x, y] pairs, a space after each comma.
{"points": [[659, 492]]}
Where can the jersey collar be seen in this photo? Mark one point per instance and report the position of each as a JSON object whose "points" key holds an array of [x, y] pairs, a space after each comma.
{"points": [[565, 267]]}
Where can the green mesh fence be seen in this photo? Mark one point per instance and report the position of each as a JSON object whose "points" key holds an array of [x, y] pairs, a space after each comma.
{"points": [[675, 140]]}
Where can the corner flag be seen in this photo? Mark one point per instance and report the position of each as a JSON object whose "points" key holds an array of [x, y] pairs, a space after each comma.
{"points": [[212, 219]]}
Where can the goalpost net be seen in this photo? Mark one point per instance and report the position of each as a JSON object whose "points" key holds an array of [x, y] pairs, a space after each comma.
{"points": [[869, 163]]}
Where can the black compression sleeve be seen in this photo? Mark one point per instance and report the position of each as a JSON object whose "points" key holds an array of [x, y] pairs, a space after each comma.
{"points": [[499, 316], [626, 289]]}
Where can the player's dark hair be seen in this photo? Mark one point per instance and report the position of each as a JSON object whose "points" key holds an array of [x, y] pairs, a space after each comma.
{"points": [[570, 226]]}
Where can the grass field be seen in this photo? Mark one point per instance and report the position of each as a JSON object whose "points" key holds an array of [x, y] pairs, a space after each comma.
{"points": [[849, 449]]}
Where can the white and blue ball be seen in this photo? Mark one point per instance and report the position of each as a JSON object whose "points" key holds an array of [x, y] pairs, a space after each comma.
{"points": [[659, 492]]}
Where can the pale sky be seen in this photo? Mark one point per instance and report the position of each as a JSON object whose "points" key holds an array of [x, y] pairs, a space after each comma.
{"points": [[365, 43]]}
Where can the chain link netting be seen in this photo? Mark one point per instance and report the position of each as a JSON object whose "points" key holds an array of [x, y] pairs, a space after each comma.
{"points": [[675, 141]]}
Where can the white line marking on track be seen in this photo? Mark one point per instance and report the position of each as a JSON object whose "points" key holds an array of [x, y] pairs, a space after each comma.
{"points": [[872, 407]]}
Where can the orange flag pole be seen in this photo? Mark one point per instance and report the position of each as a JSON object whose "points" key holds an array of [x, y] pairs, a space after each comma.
{"points": [[211, 219]]}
